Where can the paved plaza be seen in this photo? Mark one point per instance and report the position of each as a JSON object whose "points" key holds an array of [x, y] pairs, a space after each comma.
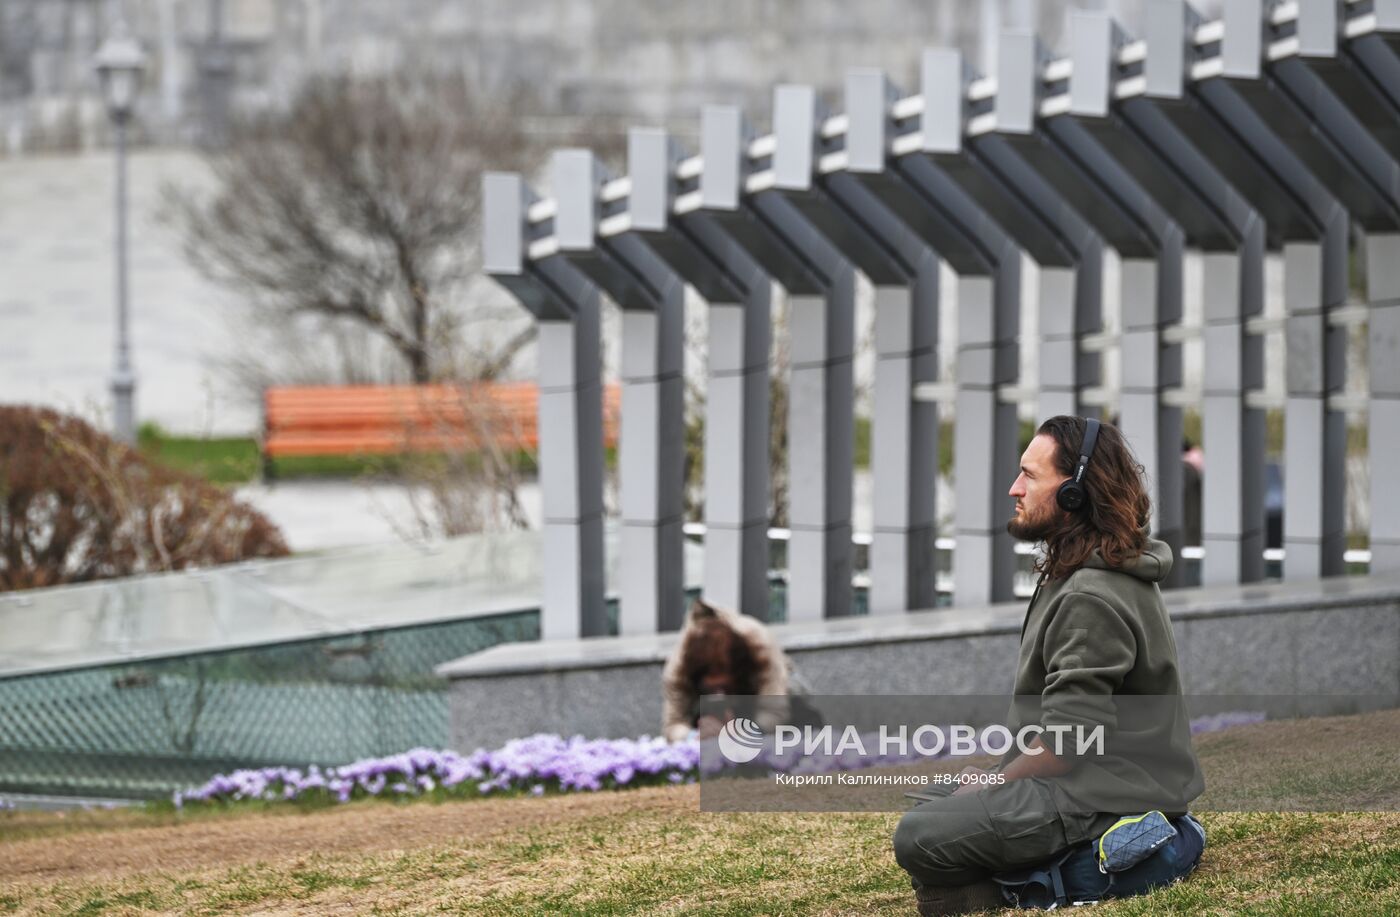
{"points": [[57, 311]]}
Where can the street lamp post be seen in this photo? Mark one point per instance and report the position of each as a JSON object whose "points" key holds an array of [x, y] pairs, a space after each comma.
{"points": [[120, 63], [216, 70]]}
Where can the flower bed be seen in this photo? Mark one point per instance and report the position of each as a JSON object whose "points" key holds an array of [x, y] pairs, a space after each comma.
{"points": [[536, 765]]}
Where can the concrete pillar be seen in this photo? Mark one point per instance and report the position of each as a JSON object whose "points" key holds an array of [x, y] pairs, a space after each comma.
{"points": [[986, 448], [1150, 246], [1232, 512], [652, 467], [738, 293], [1071, 303], [1151, 296], [566, 305], [904, 445], [1314, 452], [1034, 208], [736, 449], [904, 431], [1383, 427], [986, 445], [821, 444], [571, 475], [821, 333], [651, 584]]}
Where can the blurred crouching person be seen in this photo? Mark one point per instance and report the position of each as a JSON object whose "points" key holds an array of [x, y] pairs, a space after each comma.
{"points": [[721, 662]]}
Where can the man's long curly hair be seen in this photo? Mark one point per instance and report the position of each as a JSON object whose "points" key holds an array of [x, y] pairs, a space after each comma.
{"points": [[1114, 520]]}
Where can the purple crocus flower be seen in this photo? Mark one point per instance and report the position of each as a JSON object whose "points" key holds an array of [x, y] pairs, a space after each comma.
{"points": [[529, 764]]}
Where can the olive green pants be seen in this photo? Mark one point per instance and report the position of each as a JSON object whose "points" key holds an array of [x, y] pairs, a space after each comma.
{"points": [[958, 840]]}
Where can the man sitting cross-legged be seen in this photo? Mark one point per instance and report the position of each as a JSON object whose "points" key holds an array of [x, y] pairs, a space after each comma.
{"points": [[1096, 632]]}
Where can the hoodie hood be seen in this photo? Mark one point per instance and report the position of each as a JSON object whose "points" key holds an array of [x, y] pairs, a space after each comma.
{"points": [[1151, 566], [748, 629], [680, 696], [702, 611]]}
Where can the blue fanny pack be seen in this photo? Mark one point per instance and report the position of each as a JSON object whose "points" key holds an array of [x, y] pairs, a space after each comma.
{"points": [[1133, 839], [1134, 856]]}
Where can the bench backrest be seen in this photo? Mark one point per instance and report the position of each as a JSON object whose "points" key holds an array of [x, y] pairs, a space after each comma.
{"points": [[388, 419]]}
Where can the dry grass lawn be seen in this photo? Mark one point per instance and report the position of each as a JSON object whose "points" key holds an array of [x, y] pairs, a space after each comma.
{"points": [[651, 851]]}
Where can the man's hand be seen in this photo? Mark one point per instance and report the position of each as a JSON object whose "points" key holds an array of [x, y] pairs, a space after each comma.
{"points": [[1021, 767], [1044, 764]]}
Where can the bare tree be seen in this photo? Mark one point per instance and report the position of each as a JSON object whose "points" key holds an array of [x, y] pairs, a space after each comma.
{"points": [[357, 208], [348, 225], [471, 489]]}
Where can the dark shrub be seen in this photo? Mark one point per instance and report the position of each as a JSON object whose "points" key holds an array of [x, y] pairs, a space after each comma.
{"points": [[75, 505]]}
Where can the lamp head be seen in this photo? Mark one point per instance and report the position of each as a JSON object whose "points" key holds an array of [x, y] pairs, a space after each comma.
{"points": [[120, 63]]}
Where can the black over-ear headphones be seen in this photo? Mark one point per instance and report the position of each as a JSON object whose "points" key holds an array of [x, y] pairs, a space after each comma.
{"points": [[1072, 496]]}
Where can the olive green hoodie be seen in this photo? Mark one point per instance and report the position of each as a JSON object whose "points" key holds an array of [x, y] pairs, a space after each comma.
{"points": [[1089, 640]]}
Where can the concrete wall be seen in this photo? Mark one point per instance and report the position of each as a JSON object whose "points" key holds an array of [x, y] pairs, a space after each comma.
{"points": [[1334, 637], [57, 295], [586, 57], [649, 63], [192, 340]]}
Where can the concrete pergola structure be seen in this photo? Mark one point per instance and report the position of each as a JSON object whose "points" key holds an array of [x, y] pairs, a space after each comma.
{"points": [[1272, 129], [688, 232], [1357, 57], [1098, 162]]}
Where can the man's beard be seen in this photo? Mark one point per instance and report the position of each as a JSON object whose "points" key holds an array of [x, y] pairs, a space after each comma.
{"points": [[1025, 527]]}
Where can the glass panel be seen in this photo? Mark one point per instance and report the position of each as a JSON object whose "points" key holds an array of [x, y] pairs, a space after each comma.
{"points": [[138, 687]]}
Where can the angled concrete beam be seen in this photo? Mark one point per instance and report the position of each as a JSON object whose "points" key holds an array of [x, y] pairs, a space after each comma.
{"points": [[1161, 107], [680, 226], [1076, 154], [1272, 135], [652, 446], [566, 306], [721, 212], [988, 262], [1070, 298], [953, 143], [1325, 36], [724, 198], [1359, 124], [1325, 110], [795, 174], [1372, 43], [904, 434], [1205, 111], [821, 433]]}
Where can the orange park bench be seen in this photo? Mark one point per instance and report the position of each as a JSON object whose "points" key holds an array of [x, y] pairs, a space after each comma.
{"points": [[362, 420]]}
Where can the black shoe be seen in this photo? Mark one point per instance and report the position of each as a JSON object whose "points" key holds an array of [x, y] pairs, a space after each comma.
{"points": [[939, 900]]}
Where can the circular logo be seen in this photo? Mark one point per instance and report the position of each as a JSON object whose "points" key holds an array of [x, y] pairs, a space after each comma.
{"points": [[740, 740]]}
